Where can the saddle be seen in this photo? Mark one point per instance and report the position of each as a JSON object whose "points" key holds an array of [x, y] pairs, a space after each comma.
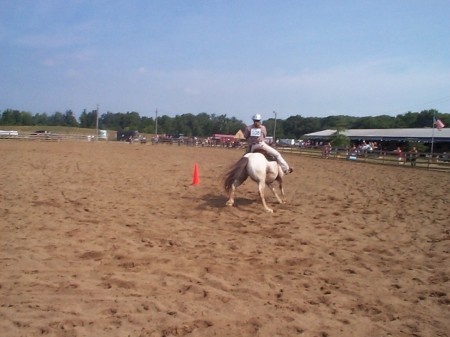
{"points": [[268, 156]]}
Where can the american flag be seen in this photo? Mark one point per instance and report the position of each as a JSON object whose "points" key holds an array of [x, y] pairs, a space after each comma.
{"points": [[438, 123]]}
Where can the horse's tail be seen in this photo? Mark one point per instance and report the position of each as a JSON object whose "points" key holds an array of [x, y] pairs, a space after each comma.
{"points": [[237, 172]]}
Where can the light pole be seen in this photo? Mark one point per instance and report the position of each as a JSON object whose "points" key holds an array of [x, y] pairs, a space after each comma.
{"points": [[156, 123], [274, 127], [96, 124]]}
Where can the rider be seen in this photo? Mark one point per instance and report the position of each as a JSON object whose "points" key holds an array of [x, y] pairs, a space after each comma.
{"points": [[255, 135]]}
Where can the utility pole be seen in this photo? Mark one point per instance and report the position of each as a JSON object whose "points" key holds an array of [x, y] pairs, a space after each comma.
{"points": [[156, 123], [96, 125], [274, 127]]}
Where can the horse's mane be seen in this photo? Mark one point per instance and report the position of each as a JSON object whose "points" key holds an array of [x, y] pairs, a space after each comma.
{"points": [[237, 172]]}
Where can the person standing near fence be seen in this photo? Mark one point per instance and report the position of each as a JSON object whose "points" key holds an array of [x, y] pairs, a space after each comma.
{"points": [[413, 156], [326, 149], [399, 153]]}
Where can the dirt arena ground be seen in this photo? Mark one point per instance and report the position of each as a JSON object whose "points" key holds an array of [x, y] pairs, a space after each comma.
{"points": [[112, 239]]}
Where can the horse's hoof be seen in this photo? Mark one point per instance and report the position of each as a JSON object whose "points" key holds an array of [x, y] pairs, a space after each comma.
{"points": [[229, 203], [268, 210]]}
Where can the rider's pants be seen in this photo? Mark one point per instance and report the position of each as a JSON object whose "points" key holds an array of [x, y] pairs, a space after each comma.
{"points": [[269, 149]]}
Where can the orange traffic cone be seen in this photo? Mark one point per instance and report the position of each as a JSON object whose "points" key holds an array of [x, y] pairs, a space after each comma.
{"points": [[195, 179]]}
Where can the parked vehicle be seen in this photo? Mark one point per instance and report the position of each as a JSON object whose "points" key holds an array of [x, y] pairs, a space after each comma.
{"points": [[444, 157]]}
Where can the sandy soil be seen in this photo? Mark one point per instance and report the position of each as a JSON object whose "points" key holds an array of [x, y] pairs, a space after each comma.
{"points": [[112, 239]]}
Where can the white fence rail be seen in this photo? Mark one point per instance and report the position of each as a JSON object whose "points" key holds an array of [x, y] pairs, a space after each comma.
{"points": [[24, 136]]}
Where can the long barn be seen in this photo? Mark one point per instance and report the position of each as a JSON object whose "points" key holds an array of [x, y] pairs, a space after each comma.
{"points": [[423, 135]]}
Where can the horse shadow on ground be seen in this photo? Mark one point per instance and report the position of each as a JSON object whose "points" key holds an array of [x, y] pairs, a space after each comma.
{"points": [[219, 201]]}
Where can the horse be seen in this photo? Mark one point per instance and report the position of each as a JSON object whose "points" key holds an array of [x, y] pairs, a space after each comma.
{"points": [[259, 169]]}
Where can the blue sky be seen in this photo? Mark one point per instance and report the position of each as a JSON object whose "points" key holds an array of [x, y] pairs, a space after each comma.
{"points": [[300, 57]]}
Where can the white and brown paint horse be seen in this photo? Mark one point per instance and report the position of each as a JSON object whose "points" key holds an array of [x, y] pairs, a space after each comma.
{"points": [[259, 169]]}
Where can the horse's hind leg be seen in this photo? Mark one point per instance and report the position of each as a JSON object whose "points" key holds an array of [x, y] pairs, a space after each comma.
{"points": [[261, 186], [235, 185], [230, 201], [280, 185], [272, 188]]}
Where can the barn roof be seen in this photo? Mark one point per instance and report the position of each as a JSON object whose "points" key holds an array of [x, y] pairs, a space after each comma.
{"points": [[423, 134]]}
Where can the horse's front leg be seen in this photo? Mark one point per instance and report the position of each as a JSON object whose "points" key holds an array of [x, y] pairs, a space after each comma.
{"points": [[261, 186], [272, 188]]}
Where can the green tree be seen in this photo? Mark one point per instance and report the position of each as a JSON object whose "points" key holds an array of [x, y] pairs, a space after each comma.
{"points": [[26, 118], [407, 120], [40, 119], [11, 117], [185, 124], [148, 125], [56, 119], [425, 118], [385, 122], [234, 125], [165, 125], [220, 123], [88, 119], [339, 140], [70, 120], [111, 121], [338, 122], [293, 127], [131, 120], [205, 125], [367, 123]]}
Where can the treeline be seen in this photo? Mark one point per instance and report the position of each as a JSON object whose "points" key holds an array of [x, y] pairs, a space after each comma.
{"points": [[204, 125]]}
